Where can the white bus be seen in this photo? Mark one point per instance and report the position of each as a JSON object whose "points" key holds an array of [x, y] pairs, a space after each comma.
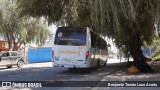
{"points": [[77, 47]]}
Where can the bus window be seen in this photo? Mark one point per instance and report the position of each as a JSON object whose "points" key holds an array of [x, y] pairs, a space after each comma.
{"points": [[93, 40], [72, 37], [97, 42]]}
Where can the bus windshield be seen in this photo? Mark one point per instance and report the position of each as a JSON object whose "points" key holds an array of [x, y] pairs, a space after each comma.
{"points": [[70, 36]]}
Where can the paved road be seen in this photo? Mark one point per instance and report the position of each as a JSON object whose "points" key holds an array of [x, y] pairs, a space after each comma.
{"points": [[45, 72]]}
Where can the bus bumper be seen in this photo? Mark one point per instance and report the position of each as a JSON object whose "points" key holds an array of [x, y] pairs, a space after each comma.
{"points": [[70, 66]]}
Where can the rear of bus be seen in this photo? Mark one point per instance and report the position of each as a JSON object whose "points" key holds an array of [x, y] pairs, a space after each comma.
{"points": [[70, 47]]}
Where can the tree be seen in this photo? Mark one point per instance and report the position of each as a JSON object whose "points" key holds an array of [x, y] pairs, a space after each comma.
{"points": [[60, 12], [20, 30], [155, 45], [155, 49], [130, 23]]}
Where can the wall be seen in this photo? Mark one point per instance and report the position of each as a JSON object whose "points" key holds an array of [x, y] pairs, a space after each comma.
{"points": [[40, 55]]}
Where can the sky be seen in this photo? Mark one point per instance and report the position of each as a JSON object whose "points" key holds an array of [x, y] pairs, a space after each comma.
{"points": [[52, 28]]}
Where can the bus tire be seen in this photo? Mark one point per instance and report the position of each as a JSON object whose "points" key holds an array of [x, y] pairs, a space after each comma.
{"points": [[105, 63], [9, 66], [72, 69], [98, 64]]}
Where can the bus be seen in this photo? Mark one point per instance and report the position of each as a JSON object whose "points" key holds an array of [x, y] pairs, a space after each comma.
{"points": [[78, 47]]}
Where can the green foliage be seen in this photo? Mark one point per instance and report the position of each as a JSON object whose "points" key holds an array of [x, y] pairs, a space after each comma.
{"points": [[51, 9], [34, 29], [123, 19], [60, 12], [0, 16], [130, 23], [155, 49], [20, 30], [117, 19]]}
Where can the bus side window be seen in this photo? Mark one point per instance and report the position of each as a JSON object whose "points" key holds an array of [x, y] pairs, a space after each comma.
{"points": [[93, 40], [98, 42]]}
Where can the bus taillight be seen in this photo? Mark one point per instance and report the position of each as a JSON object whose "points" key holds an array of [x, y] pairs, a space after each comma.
{"points": [[87, 54]]}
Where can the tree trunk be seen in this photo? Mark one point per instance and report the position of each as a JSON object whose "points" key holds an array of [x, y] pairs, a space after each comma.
{"points": [[17, 45], [136, 52], [9, 41], [15, 48], [10, 44]]}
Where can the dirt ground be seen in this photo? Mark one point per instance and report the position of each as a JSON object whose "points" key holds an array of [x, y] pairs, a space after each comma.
{"points": [[155, 66], [123, 68]]}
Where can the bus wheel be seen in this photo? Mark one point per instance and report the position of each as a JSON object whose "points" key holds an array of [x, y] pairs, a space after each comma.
{"points": [[72, 69], [98, 64], [105, 63], [9, 66]]}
